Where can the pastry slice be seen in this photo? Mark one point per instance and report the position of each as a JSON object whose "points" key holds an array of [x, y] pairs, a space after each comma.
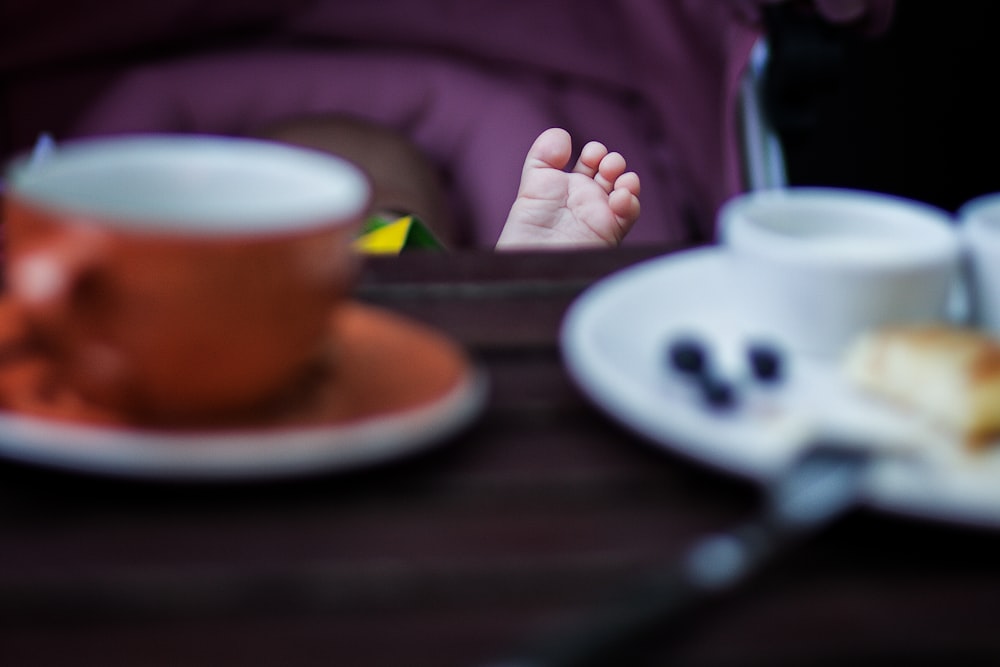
{"points": [[949, 374]]}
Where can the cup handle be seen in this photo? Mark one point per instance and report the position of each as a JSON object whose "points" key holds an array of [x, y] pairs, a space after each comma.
{"points": [[49, 282]]}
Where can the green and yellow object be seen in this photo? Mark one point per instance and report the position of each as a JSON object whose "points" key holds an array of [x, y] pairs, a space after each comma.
{"points": [[391, 236]]}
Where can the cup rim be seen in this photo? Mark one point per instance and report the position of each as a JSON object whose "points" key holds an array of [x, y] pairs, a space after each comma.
{"points": [[938, 241], [977, 204], [311, 189], [979, 219]]}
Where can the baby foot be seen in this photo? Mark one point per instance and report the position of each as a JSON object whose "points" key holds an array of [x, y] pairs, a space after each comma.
{"points": [[594, 204]]}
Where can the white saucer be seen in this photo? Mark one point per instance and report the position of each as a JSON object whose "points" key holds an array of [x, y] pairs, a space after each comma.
{"points": [[615, 339]]}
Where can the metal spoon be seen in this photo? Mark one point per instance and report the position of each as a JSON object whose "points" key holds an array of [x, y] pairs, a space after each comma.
{"points": [[822, 484]]}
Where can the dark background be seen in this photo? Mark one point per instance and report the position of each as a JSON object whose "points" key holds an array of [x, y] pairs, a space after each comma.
{"points": [[912, 112]]}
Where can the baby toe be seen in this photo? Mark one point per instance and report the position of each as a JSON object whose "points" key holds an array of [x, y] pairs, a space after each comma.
{"points": [[590, 159], [629, 181], [611, 168], [626, 208]]}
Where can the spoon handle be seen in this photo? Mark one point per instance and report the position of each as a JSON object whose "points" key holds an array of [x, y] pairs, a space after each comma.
{"points": [[819, 487]]}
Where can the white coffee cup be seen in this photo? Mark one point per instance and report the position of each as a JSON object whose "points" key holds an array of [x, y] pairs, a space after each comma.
{"points": [[823, 265], [979, 221]]}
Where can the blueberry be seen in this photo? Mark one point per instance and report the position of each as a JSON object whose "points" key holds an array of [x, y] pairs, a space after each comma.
{"points": [[718, 393], [766, 362], [688, 356]]}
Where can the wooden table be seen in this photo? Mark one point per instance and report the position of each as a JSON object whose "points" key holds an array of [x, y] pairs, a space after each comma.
{"points": [[516, 525]]}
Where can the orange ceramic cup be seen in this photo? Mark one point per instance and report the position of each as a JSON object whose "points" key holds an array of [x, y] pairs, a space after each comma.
{"points": [[181, 278]]}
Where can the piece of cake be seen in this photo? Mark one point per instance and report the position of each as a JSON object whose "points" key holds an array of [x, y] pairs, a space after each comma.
{"points": [[949, 374]]}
